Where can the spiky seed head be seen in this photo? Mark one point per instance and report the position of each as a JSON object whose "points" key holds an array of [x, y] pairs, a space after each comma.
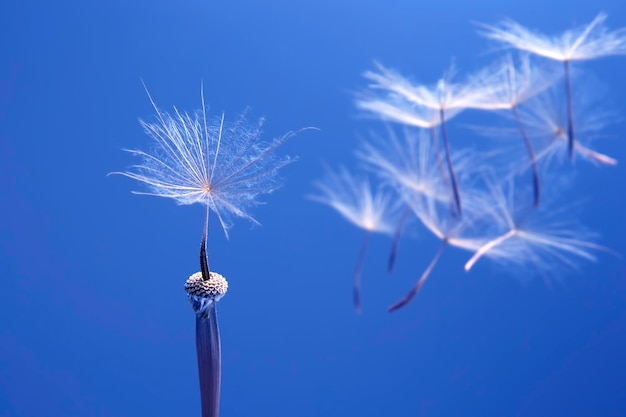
{"points": [[203, 294], [215, 287]]}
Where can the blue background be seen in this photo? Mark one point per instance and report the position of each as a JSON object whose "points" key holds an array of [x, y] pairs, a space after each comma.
{"points": [[93, 317]]}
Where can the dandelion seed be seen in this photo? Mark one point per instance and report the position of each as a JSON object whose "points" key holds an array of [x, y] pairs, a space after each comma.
{"points": [[545, 120], [422, 106], [546, 237], [411, 164], [589, 42], [507, 85], [461, 232], [354, 199]]}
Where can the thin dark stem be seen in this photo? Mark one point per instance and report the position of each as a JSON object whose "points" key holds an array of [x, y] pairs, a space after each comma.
{"points": [[531, 154], [396, 240], [435, 141], [570, 110], [455, 186], [405, 300], [442, 169], [204, 256], [356, 288], [209, 353]]}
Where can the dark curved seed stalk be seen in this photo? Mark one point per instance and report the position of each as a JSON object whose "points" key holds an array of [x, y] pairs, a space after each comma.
{"points": [[531, 154], [356, 288], [570, 109], [204, 256], [391, 263], [405, 300], [455, 186]]}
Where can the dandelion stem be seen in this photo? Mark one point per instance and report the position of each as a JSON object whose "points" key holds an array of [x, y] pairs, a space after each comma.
{"points": [[531, 154], [209, 352], [396, 240], [405, 300], [208, 348], [570, 111], [356, 289], [455, 187]]}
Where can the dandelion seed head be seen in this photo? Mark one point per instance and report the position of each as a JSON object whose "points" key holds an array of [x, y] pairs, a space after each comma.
{"points": [[203, 294], [208, 160]]}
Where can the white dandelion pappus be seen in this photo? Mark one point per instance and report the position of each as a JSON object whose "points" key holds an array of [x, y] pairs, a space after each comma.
{"points": [[197, 159], [511, 81], [545, 119], [355, 200], [545, 238], [371, 210], [446, 95], [589, 42], [412, 163]]}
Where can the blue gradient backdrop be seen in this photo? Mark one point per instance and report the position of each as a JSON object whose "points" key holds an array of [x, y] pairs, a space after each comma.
{"points": [[93, 317]]}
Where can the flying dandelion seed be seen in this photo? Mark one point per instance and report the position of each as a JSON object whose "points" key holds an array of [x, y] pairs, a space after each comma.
{"points": [[544, 238], [460, 232], [589, 42], [423, 106], [506, 229], [411, 164], [354, 199], [546, 123], [509, 84], [226, 167]]}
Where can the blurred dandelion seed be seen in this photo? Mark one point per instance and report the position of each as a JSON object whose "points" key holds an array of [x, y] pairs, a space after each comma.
{"points": [[460, 232], [370, 210], [423, 106], [411, 164], [507, 85], [545, 120], [543, 237], [584, 43]]}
